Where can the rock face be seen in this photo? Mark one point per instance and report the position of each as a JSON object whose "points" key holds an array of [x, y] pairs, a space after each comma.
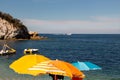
{"points": [[35, 36], [9, 29]]}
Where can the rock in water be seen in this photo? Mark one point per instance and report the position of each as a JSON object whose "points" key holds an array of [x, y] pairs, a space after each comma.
{"points": [[11, 28]]}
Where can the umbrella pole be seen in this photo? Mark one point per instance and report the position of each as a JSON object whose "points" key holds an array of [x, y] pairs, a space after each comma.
{"points": [[55, 77]]}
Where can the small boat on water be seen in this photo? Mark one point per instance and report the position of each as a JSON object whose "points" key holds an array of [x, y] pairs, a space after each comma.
{"points": [[69, 34], [6, 50], [30, 51]]}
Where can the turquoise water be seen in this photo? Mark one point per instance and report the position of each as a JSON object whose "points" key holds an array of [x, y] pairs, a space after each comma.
{"points": [[103, 50]]}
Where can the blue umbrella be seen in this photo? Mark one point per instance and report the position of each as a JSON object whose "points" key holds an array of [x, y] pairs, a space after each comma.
{"points": [[86, 66]]}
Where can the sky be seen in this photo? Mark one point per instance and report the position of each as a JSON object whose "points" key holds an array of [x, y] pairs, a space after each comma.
{"points": [[66, 16]]}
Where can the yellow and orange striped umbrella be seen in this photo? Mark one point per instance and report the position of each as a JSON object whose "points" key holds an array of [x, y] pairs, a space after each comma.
{"points": [[57, 67]]}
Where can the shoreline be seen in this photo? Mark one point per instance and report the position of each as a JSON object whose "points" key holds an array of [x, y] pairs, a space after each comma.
{"points": [[32, 38]]}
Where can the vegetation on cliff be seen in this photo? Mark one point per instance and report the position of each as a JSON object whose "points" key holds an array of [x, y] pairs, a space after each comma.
{"points": [[12, 28], [16, 22]]}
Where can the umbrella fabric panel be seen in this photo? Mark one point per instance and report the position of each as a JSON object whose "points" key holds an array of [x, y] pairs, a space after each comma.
{"points": [[75, 72], [81, 66], [22, 64], [62, 66], [85, 66], [92, 66]]}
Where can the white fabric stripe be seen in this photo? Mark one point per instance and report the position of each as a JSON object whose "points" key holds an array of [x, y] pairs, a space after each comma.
{"points": [[46, 70], [45, 67]]}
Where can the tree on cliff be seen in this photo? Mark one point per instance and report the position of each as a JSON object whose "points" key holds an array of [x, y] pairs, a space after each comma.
{"points": [[12, 28]]}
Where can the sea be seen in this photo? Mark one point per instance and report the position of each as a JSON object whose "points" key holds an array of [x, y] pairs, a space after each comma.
{"points": [[100, 49]]}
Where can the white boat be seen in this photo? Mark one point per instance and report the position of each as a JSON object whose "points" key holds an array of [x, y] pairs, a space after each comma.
{"points": [[69, 34], [6, 50], [30, 51]]}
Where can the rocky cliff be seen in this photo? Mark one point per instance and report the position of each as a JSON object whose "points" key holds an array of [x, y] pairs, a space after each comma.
{"points": [[11, 28]]}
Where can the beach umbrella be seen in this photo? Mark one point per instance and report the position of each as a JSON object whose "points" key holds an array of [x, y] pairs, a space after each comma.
{"points": [[39, 64], [57, 67], [22, 64], [86, 66], [70, 70]]}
